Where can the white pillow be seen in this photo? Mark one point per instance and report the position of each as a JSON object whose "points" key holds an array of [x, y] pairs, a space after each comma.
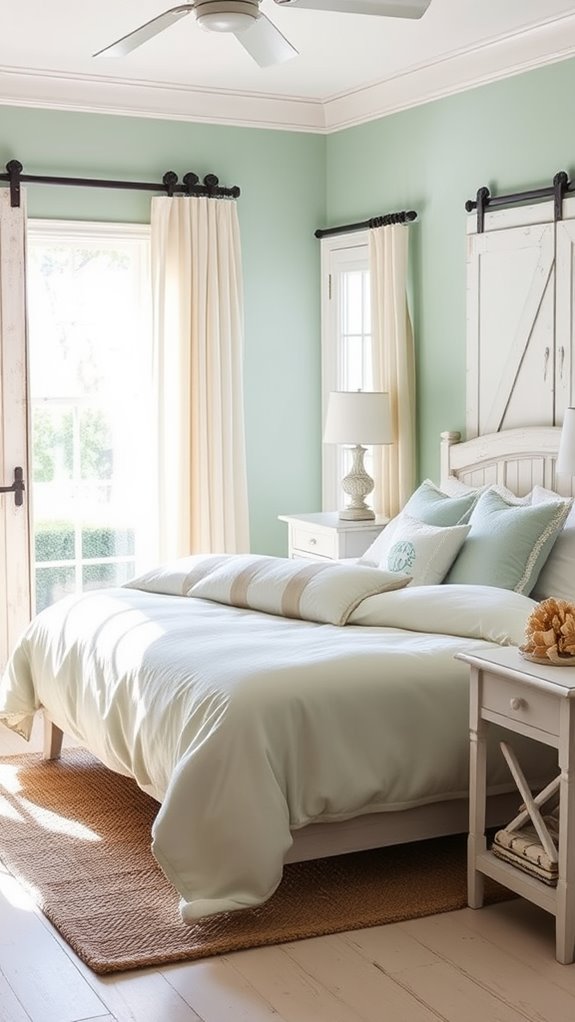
{"points": [[557, 576], [426, 552], [455, 488]]}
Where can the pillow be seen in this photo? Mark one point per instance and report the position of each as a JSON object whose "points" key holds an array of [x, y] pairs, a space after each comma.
{"points": [[455, 488], [431, 505], [425, 551], [472, 612], [174, 578], [557, 577], [508, 543], [313, 591]]}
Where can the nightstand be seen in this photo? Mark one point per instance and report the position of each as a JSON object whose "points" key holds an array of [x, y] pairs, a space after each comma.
{"points": [[539, 702], [325, 536]]}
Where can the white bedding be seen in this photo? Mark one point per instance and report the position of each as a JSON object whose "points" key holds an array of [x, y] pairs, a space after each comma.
{"points": [[246, 725]]}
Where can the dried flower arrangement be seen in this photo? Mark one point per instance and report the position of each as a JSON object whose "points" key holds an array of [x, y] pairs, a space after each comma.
{"points": [[550, 632]]}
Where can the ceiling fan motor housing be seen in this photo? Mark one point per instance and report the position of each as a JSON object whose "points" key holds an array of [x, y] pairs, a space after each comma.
{"points": [[227, 15]]}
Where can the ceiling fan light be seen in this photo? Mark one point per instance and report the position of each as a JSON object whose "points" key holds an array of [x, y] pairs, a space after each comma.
{"points": [[227, 15], [233, 22]]}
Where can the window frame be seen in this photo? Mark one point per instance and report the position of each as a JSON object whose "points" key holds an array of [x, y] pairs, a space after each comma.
{"points": [[337, 253]]}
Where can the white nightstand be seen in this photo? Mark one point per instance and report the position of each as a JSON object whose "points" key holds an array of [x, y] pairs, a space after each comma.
{"points": [[325, 536], [537, 701]]}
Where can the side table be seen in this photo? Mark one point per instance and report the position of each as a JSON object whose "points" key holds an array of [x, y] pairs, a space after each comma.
{"points": [[323, 535], [537, 701]]}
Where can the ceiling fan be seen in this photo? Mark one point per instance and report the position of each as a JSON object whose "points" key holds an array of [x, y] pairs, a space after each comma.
{"points": [[257, 34]]}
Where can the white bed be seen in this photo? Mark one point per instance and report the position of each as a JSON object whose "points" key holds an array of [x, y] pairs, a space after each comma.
{"points": [[269, 740]]}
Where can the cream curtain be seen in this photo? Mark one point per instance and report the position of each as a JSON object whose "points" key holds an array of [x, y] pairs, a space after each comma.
{"points": [[393, 365], [198, 351]]}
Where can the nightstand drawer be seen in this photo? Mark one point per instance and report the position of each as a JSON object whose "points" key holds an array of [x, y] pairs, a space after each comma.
{"points": [[323, 544], [520, 702]]}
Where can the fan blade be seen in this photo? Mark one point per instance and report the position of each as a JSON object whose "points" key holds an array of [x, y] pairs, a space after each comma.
{"points": [[265, 43], [141, 35], [383, 8]]}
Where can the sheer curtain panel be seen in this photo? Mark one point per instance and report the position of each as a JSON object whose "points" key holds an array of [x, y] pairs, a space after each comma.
{"points": [[393, 365], [198, 349]]}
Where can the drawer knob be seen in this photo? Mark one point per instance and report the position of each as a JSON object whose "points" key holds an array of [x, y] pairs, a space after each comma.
{"points": [[313, 541], [516, 703]]}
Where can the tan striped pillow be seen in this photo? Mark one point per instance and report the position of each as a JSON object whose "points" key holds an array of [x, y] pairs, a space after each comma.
{"points": [[310, 590], [174, 578]]}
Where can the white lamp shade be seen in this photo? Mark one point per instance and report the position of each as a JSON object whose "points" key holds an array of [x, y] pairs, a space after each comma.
{"points": [[565, 465], [358, 417]]}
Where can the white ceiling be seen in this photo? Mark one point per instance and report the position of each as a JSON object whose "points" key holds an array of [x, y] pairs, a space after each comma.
{"points": [[350, 68]]}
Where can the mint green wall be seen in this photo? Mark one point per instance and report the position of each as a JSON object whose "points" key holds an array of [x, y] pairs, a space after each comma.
{"points": [[282, 179], [510, 135]]}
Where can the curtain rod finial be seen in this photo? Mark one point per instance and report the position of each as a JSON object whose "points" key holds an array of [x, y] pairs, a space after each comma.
{"points": [[170, 180]]}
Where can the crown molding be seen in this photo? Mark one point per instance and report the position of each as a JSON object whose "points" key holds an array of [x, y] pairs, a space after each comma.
{"points": [[52, 90], [490, 61]]}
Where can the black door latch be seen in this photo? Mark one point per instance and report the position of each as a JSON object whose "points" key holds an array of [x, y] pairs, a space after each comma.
{"points": [[17, 487]]}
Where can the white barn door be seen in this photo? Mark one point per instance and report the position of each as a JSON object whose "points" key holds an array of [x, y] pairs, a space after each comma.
{"points": [[14, 521], [511, 321], [520, 318]]}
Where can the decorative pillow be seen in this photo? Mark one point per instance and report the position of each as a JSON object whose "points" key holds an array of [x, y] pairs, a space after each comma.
{"points": [[431, 505], [425, 551], [313, 591], [427, 504], [557, 576], [508, 543]]}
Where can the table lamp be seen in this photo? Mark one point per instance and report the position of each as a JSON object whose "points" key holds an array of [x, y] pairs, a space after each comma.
{"points": [[357, 418]]}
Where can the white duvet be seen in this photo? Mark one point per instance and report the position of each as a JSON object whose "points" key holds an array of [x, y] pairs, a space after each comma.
{"points": [[246, 726]]}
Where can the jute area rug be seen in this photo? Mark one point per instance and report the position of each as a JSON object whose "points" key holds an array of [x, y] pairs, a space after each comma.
{"points": [[78, 838]]}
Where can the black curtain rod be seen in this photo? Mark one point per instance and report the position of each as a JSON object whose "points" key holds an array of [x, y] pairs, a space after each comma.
{"points": [[484, 200], [190, 183], [376, 221]]}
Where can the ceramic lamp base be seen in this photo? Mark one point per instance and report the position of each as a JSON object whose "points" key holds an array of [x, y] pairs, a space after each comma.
{"points": [[357, 514], [357, 484]]}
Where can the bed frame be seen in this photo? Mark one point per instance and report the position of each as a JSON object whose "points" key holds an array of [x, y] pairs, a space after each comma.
{"points": [[518, 459]]}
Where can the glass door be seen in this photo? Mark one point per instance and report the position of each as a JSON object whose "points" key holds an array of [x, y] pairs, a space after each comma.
{"points": [[93, 500], [14, 520]]}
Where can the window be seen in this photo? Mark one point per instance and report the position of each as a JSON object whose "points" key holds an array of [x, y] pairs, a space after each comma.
{"points": [[90, 370], [346, 343]]}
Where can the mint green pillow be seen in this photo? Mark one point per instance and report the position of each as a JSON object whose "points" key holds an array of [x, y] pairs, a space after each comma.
{"points": [[507, 544], [431, 505]]}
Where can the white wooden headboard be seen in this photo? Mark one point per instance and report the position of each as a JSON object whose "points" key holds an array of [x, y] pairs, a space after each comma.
{"points": [[516, 458]]}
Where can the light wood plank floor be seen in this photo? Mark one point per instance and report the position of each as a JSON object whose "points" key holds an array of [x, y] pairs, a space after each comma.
{"points": [[493, 965]]}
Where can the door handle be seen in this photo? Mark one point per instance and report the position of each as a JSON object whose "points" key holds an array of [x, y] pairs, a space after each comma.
{"points": [[17, 487]]}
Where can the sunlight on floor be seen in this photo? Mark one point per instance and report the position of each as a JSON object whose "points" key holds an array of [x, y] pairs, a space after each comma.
{"points": [[14, 893]]}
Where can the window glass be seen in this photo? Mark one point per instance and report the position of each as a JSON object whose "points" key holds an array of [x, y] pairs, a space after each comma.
{"points": [[90, 365], [346, 341]]}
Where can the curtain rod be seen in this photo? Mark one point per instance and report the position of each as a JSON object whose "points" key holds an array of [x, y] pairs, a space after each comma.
{"points": [[484, 200], [402, 217], [190, 183]]}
